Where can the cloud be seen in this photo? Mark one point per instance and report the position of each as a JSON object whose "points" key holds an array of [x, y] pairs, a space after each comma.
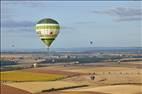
{"points": [[68, 28], [26, 26], [11, 25], [130, 19], [123, 14], [85, 22], [27, 3], [8, 21], [17, 24]]}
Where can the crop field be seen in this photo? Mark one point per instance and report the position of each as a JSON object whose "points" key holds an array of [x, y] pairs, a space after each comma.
{"points": [[53, 71], [75, 92], [82, 92], [5, 89], [21, 76], [35, 87], [116, 89]]}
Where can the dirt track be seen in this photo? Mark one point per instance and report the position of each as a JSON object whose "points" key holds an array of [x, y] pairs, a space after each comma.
{"points": [[11, 90]]}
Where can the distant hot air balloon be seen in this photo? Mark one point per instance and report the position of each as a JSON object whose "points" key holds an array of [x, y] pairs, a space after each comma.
{"points": [[12, 45], [91, 42], [47, 29]]}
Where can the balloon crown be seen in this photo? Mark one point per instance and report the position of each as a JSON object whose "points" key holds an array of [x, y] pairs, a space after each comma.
{"points": [[47, 21]]}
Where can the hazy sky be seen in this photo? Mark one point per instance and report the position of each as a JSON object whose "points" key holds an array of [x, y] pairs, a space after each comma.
{"points": [[107, 24]]}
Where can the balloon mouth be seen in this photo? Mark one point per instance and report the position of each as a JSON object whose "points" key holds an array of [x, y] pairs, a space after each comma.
{"points": [[48, 42]]}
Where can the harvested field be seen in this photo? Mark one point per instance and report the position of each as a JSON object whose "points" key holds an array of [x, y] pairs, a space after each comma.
{"points": [[19, 76], [107, 79], [39, 86], [97, 68], [74, 92], [107, 75], [117, 89], [104, 69], [53, 71], [11, 90], [82, 92]]}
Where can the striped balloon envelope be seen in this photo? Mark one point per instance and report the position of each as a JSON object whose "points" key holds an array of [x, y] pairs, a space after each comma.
{"points": [[47, 29]]}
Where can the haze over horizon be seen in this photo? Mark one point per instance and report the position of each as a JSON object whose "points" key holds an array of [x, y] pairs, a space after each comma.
{"points": [[107, 24]]}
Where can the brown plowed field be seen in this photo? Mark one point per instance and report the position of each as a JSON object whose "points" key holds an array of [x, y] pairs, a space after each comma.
{"points": [[11, 90]]}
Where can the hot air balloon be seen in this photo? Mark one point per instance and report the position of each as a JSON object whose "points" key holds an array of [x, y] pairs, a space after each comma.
{"points": [[91, 42], [47, 29]]}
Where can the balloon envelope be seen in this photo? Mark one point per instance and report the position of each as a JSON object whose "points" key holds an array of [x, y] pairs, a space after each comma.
{"points": [[47, 29]]}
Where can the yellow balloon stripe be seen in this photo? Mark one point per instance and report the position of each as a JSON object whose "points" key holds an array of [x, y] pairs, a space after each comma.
{"points": [[48, 36]]}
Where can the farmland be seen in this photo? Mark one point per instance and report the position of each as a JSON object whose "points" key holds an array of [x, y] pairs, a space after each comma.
{"points": [[35, 87], [75, 92], [21, 76], [123, 89], [72, 78], [5, 89]]}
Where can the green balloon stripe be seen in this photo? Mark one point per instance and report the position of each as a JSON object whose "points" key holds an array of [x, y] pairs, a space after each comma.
{"points": [[47, 20], [47, 27]]}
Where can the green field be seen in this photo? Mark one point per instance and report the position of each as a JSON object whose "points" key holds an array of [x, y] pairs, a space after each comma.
{"points": [[21, 76]]}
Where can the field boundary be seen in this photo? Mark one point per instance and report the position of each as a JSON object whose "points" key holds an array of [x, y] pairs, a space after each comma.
{"points": [[64, 88]]}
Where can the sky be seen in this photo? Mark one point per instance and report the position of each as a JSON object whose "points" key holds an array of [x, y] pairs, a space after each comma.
{"points": [[106, 23]]}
